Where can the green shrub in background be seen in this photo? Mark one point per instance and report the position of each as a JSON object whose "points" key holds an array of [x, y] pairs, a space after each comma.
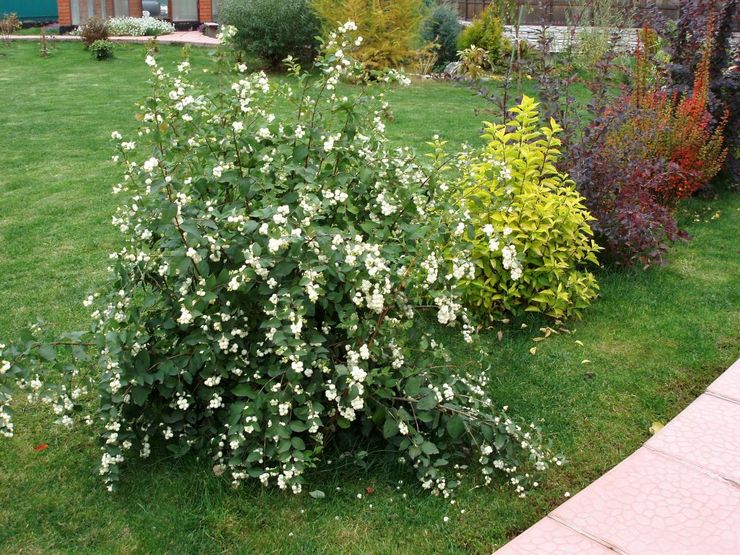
{"points": [[102, 49], [486, 32], [273, 30], [442, 27], [532, 243]]}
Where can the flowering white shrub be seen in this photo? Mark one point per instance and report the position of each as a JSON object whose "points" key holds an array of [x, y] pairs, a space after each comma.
{"points": [[270, 290], [138, 27]]}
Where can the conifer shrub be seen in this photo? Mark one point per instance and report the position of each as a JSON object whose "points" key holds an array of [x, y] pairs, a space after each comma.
{"points": [[389, 28], [442, 27], [487, 32]]}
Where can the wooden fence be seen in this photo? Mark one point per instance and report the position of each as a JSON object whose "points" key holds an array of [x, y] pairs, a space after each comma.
{"points": [[562, 12]]}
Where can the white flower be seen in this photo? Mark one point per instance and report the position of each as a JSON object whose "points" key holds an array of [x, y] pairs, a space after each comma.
{"points": [[116, 136], [150, 164], [237, 126], [217, 171], [264, 133], [150, 61], [186, 317], [488, 229]]}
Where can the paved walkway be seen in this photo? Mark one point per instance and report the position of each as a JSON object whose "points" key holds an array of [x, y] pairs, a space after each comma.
{"points": [[178, 37], [679, 494]]}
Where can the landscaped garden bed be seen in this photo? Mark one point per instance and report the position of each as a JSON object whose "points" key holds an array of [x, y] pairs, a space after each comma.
{"points": [[649, 344]]}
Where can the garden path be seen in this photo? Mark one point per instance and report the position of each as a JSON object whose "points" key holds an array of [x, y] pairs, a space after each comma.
{"points": [[678, 494], [194, 38]]}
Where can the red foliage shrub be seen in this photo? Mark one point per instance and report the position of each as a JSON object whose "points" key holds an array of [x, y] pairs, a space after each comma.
{"points": [[681, 130], [647, 151]]}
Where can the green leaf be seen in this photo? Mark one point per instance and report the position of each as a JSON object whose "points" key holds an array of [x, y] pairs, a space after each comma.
{"points": [[390, 427], [427, 402], [242, 390], [429, 448], [455, 426], [47, 352], [139, 395]]}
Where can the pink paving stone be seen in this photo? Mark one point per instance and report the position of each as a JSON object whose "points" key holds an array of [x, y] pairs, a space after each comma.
{"points": [[706, 434], [728, 384], [549, 537], [651, 504]]}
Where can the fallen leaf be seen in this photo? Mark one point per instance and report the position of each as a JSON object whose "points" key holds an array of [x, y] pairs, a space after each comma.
{"points": [[655, 427], [579, 342], [585, 361], [537, 339], [41, 447], [524, 326], [533, 351], [317, 494], [500, 335], [370, 490]]}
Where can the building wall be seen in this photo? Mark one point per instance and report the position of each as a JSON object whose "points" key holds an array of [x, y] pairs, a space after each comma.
{"points": [[203, 9], [30, 10]]}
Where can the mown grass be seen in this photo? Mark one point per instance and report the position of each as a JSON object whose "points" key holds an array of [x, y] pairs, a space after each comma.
{"points": [[655, 339]]}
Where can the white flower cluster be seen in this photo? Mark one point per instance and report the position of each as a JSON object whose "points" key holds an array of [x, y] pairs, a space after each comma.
{"points": [[138, 26], [271, 282]]}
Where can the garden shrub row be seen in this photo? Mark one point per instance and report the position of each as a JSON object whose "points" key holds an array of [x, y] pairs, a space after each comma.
{"points": [[280, 275]]}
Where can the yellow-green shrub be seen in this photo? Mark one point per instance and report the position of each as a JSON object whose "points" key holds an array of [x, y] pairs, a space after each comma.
{"points": [[389, 28], [487, 32], [532, 242]]}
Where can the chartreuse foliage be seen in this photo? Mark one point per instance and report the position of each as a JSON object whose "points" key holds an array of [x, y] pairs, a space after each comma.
{"points": [[532, 242], [486, 32], [389, 28], [268, 296]]}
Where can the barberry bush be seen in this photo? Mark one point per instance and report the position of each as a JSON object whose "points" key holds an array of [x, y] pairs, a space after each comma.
{"points": [[532, 244], [271, 289], [643, 154]]}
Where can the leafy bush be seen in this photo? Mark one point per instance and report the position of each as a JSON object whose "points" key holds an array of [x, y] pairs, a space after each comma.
{"points": [[139, 27], [9, 24], [269, 293], [389, 28], [272, 30], [442, 27], [622, 185], [487, 32], [474, 63], [102, 49], [646, 152], [701, 25], [532, 242], [94, 29], [685, 134]]}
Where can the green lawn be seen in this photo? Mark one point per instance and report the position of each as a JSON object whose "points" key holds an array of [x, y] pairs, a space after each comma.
{"points": [[655, 339]]}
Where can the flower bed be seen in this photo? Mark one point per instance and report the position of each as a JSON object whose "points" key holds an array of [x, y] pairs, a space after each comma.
{"points": [[138, 27]]}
